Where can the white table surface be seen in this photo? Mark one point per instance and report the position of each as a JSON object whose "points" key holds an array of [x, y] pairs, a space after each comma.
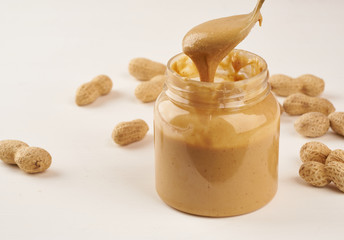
{"points": [[98, 190]]}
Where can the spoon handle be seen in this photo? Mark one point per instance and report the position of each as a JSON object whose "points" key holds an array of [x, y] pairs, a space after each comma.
{"points": [[257, 8]]}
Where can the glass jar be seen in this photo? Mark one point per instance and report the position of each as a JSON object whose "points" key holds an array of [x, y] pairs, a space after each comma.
{"points": [[216, 143]]}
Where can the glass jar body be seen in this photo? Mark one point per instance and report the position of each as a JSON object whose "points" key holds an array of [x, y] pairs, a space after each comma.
{"points": [[216, 160]]}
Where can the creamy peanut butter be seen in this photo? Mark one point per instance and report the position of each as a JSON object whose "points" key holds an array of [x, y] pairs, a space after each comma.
{"points": [[220, 164], [208, 43], [217, 124]]}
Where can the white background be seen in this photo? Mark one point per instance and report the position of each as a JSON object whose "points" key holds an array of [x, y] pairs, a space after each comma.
{"points": [[98, 190]]}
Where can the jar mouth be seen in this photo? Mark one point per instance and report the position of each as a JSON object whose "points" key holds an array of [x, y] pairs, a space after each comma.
{"points": [[190, 90], [262, 62]]}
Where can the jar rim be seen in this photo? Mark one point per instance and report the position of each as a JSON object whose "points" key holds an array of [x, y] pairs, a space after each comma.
{"points": [[225, 94], [235, 83]]}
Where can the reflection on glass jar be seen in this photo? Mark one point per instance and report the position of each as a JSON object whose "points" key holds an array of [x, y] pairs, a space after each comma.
{"points": [[216, 144]]}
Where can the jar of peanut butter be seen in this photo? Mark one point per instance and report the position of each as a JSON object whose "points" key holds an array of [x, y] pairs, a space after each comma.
{"points": [[216, 143]]}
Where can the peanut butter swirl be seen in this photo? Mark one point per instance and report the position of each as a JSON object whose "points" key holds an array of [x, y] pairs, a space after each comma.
{"points": [[208, 43]]}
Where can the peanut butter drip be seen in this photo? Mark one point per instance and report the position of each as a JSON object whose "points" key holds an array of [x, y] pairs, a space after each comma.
{"points": [[208, 43]]}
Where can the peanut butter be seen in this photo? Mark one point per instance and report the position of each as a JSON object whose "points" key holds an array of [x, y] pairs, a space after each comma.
{"points": [[217, 165], [208, 43], [217, 124]]}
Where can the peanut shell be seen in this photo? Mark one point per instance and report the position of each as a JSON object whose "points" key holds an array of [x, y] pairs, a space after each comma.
{"points": [[8, 148], [336, 155], [145, 69], [103, 84], [314, 173], [335, 172], [284, 85], [312, 124], [298, 104], [312, 85], [32, 159], [90, 91], [150, 90], [337, 122], [314, 151], [128, 132]]}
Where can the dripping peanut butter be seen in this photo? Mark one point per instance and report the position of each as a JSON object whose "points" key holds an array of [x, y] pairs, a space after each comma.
{"points": [[217, 131], [208, 43]]}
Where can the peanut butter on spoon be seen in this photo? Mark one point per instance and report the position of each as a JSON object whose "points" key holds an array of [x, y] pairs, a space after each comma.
{"points": [[208, 43]]}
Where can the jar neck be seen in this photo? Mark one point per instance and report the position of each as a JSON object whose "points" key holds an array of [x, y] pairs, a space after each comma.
{"points": [[226, 94]]}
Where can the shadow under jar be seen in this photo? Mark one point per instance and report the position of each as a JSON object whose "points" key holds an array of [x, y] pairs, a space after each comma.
{"points": [[216, 143]]}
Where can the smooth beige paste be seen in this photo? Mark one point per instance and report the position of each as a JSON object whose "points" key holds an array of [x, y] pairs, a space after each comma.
{"points": [[215, 162], [219, 164], [208, 43]]}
